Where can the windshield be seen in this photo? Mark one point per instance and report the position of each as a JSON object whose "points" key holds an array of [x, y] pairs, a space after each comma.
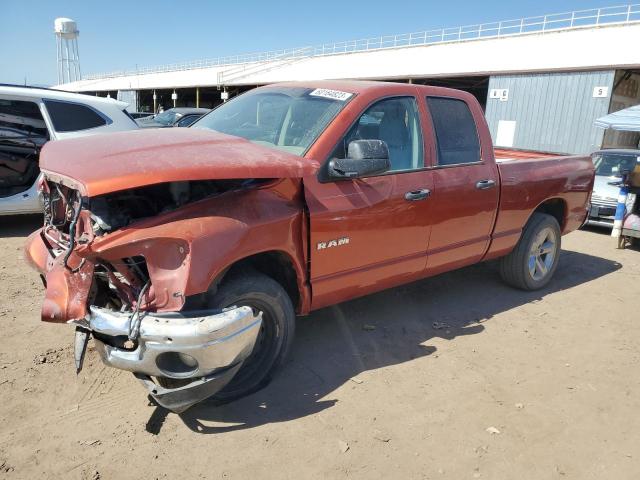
{"points": [[289, 119], [167, 118], [612, 164]]}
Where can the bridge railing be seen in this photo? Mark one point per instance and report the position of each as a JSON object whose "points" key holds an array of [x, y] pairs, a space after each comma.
{"points": [[618, 15]]}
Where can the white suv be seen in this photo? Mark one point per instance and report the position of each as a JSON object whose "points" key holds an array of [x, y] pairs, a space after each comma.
{"points": [[30, 117]]}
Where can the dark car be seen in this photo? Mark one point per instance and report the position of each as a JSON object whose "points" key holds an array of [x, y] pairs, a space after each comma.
{"points": [[138, 115], [174, 117]]}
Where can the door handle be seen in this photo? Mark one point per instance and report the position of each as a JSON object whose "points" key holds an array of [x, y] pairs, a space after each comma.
{"points": [[485, 184], [415, 195]]}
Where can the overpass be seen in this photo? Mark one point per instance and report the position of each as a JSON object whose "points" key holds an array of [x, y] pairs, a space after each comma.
{"points": [[581, 40]]}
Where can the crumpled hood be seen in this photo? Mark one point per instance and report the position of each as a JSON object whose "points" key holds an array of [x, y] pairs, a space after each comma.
{"points": [[101, 164]]}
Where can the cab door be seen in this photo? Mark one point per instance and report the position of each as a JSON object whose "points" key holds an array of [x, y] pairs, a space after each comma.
{"points": [[466, 186], [368, 234]]}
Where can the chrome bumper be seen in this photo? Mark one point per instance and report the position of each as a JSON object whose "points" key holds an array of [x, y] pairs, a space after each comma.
{"points": [[206, 347], [597, 222]]}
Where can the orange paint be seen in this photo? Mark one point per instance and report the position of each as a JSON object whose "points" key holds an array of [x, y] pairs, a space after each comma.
{"points": [[391, 241]]}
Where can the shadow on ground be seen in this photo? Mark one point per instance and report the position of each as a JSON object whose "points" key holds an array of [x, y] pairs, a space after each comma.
{"points": [[606, 231], [336, 344], [19, 225]]}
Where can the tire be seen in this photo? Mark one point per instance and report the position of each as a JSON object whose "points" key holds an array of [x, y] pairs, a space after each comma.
{"points": [[527, 267], [250, 288]]}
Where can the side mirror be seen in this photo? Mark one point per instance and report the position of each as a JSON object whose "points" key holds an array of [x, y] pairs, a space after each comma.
{"points": [[364, 157]]}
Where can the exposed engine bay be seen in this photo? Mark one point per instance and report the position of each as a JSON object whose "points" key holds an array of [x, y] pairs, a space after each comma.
{"points": [[126, 295], [122, 283], [116, 210]]}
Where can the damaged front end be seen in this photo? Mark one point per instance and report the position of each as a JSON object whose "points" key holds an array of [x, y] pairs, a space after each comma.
{"points": [[193, 354], [128, 292]]}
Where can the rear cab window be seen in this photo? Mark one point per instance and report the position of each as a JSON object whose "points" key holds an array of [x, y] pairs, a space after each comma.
{"points": [[73, 117], [455, 130]]}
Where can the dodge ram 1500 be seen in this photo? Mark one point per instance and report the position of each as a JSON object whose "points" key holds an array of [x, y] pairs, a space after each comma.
{"points": [[187, 253]]}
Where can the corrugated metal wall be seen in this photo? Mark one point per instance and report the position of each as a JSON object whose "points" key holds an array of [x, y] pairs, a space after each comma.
{"points": [[553, 112]]}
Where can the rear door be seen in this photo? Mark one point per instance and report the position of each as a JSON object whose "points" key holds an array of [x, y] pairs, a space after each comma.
{"points": [[466, 186], [23, 131], [371, 233], [71, 119]]}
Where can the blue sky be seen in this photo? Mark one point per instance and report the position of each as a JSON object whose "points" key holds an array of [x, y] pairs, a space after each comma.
{"points": [[117, 34]]}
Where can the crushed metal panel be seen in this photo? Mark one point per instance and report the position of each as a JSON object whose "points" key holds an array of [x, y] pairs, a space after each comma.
{"points": [[123, 160]]}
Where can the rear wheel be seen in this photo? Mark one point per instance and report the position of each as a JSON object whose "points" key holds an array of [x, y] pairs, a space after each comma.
{"points": [[263, 294], [532, 263]]}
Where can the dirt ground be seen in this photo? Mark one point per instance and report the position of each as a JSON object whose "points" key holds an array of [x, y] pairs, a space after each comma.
{"points": [[453, 377]]}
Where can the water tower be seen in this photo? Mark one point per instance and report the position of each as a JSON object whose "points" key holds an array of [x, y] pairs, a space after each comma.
{"points": [[66, 31]]}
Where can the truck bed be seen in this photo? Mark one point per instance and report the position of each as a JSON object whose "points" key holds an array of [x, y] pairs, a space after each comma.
{"points": [[530, 178], [514, 154]]}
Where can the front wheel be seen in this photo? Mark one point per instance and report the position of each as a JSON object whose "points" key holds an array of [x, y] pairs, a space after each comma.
{"points": [[534, 260], [261, 293]]}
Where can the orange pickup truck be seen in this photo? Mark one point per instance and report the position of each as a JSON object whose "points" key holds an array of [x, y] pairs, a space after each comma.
{"points": [[187, 253]]}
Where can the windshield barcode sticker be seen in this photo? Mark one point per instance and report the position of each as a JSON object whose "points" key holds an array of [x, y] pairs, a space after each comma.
{"points": [[332, 94]]}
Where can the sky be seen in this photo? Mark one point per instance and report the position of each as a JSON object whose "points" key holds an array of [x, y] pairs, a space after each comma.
{"points": [[119, 34]]}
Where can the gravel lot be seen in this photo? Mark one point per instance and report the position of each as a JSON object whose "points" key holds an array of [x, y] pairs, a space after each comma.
{"points": [[452, 377]]}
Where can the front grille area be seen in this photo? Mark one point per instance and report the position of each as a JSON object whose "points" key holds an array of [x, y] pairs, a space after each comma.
{"points": [[603, 202], [603, 211], [607, 212], [61, 205]]}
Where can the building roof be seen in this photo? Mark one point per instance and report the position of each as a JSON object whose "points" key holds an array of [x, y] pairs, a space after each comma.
{"points": [[55, 94], [575, 41]]}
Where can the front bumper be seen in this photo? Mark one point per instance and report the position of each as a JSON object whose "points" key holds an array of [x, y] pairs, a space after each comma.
{"points": [[599, 222], [601, 214], [204, 348]]}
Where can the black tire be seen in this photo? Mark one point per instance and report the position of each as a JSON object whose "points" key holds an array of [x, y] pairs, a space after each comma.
{"points": [[515, 267], [260, 292]]}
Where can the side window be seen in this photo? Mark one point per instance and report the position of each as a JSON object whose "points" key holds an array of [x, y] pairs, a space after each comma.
{"points": [[396, 122], [71, 117], [20, 121], [187, 120], [455, 130]]}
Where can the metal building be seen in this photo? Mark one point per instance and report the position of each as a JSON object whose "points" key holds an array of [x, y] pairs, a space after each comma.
{"points": [[551, 112], [542, 80]]}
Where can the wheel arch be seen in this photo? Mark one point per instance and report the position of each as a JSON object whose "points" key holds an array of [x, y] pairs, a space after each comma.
{"points": [[276, 264], [556, 207], [502, 244]]}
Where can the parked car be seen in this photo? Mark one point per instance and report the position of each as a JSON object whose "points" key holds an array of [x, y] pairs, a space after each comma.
{"points": [[188, 120], [29, 118], [137, 115], [188, 255], [171, 117], [608, 166]]}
